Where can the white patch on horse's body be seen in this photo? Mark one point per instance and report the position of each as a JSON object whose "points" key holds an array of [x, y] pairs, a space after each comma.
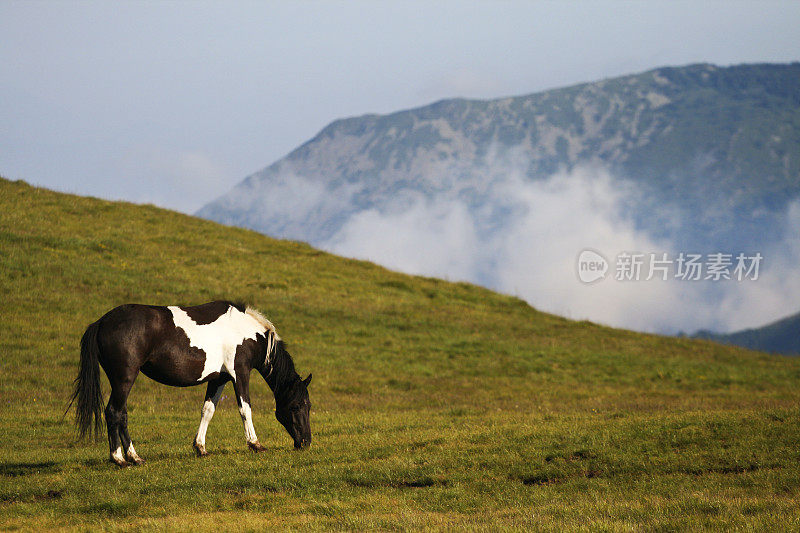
{"points": [[220, 338]]}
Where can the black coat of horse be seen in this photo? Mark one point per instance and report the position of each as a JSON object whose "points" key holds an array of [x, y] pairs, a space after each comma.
{"points": [[211, 343]]}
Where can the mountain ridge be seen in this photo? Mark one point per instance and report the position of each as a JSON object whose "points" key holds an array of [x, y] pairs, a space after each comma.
{"points": [[716, 143], [779, 337]]}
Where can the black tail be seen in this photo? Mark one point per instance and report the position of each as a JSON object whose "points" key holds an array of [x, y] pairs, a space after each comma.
{"points": [[87, 386]]}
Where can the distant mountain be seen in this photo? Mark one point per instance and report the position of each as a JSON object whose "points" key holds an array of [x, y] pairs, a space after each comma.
{"points": [[714, 152], [781, 337]]}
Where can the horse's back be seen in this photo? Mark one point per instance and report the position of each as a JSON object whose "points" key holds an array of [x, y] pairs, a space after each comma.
{"points": [[209, 312], [177, 345], [128, 317], [129, 330]]}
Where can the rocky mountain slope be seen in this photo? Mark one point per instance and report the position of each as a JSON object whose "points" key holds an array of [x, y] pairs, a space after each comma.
{"points": [[714, 154]]}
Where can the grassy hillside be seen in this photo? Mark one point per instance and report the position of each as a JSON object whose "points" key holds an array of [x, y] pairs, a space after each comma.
{"points": [[435, 404]]}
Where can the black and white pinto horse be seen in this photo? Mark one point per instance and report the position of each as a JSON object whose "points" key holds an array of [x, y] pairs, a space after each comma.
{"points": [[211, 343]]}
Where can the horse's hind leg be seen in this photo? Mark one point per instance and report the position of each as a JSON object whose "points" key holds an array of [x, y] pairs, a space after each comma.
{"points": [[119, 441], [113, 422], [127, 445]]}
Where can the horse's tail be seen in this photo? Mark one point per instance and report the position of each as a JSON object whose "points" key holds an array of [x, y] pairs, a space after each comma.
{"points": [[87, 386]]}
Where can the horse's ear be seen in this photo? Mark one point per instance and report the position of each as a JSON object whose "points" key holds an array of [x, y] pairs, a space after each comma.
{"points": [[307, 380]]}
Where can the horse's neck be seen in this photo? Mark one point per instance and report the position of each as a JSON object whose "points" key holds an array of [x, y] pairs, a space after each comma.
{"points": [[281, 388], [282, 374]]}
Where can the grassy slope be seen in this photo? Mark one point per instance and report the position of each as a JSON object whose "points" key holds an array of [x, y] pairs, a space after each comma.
{"points": [[435, 404]]}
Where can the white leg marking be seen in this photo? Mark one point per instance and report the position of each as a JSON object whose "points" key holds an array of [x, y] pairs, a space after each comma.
{"points": [[117, 456], [208, 413], [132, 455], [209, 407], [247, 419]]}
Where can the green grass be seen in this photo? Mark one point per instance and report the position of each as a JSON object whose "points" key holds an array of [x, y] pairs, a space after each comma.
{"points": [[436, 405]]}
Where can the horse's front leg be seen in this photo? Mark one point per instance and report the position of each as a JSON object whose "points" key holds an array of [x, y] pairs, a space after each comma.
{"points": [[213, 394], [242, 387]]}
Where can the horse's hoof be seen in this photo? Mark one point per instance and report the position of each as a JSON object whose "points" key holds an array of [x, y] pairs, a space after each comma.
{"points": [[133, 458], [199, 450], [119, 463], [257, 446]]}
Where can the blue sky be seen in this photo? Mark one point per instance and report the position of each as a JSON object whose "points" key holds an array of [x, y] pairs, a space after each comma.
{"points": [[173, 103]]}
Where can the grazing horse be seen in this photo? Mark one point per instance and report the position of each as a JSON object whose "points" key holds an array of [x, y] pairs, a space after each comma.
{"points": [[211, 343]]}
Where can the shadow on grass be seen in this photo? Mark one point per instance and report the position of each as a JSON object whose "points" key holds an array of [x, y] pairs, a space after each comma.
{"points": [[37, 497], [177, 455], [405, 483], [24, 469], [555, 477]]}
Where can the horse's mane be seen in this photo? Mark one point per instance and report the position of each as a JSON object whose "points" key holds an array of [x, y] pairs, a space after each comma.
{"points": [[261, 319], [282, 373], [269, 330]]}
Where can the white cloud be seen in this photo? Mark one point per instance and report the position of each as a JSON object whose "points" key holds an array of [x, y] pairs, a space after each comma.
{"points": [[532, 253], [776, 293], [559, 218], [431, 238]]}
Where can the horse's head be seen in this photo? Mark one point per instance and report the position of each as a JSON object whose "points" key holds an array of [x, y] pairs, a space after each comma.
{"points": [[292, 410]]}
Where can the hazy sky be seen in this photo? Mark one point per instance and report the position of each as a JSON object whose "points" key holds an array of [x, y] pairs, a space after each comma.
{"points": [[175, 102]]}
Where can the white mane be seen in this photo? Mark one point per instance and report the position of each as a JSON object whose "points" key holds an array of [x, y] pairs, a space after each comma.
{"points": [[269, 329]]}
